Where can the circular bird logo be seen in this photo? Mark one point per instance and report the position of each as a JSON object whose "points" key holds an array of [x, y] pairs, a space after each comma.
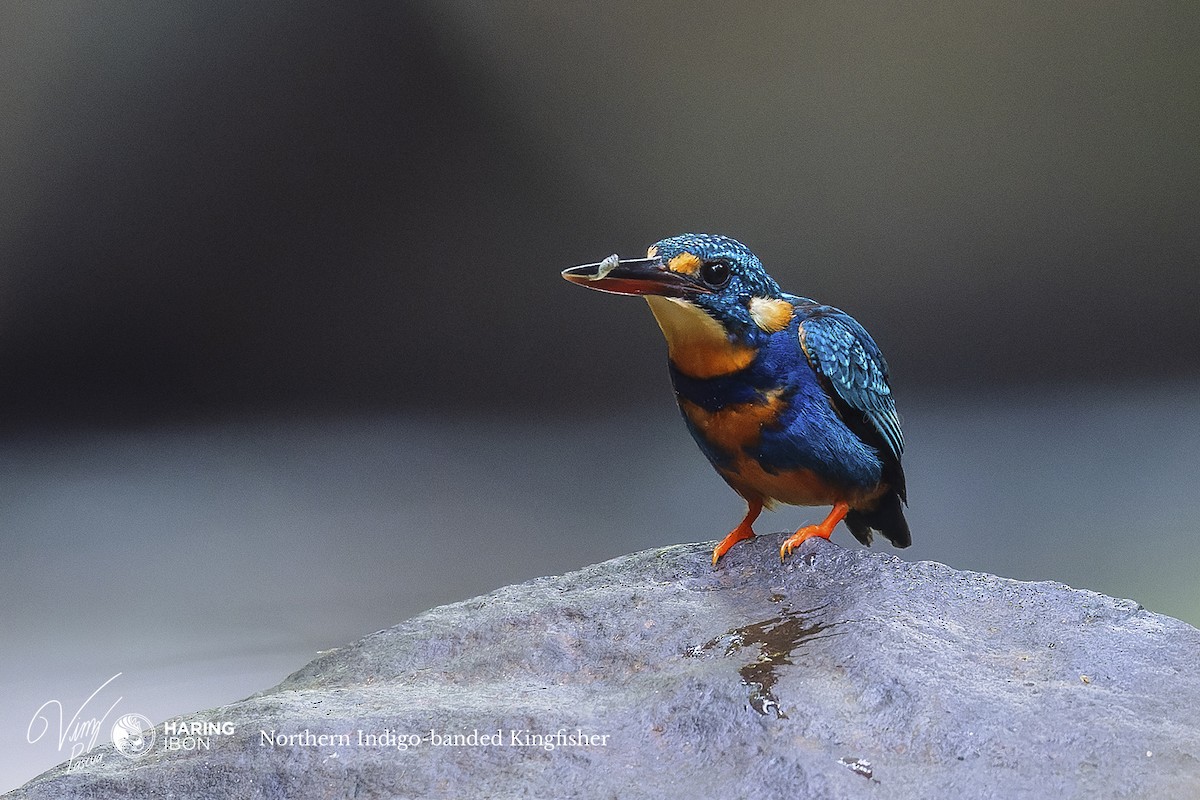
{"points": [[133, 735]]}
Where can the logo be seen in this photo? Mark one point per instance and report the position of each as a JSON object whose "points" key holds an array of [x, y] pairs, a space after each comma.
{"points": [[133, 735]]}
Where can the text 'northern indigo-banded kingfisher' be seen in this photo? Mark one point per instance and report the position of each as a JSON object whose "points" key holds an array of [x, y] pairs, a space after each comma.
{"points": [[789, 399]]}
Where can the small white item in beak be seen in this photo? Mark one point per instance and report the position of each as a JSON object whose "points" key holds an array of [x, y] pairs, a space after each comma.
{"points": [[606, 266]]}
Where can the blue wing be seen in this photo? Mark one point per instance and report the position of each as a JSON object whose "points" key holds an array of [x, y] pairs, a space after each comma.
{"points": [[842, 350]]}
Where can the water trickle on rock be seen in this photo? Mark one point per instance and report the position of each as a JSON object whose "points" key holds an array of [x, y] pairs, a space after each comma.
{"points": [[777, 638]]}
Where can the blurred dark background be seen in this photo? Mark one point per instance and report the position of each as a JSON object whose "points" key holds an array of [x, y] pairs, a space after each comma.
{"points": [[222, 207], [280, 307]]}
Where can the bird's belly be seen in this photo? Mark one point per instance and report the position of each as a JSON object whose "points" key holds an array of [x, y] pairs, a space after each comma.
{"points": [[733, 427], [796, 487], [759, 457]]}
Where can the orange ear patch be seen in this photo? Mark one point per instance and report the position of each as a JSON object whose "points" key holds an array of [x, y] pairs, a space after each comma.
{"points": [[772, 315], [684, 264]]}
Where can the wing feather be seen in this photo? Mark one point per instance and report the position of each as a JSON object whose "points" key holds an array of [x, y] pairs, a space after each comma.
{"points": [[839, 348]]}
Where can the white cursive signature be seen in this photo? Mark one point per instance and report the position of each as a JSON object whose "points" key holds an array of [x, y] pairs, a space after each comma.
{"points": [[81, 733]]}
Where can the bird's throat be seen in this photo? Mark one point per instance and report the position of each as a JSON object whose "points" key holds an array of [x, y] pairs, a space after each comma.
{"points": [[697, 344]]}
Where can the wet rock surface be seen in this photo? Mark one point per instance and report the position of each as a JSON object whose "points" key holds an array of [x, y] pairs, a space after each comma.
{"points": [[840, 674]]}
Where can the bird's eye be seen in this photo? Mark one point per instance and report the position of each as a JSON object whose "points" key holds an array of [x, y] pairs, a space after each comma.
{"points": [[715, 274]]}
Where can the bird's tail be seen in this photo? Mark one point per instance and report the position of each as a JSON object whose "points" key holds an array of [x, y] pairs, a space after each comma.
{"points": [[887, 517]]}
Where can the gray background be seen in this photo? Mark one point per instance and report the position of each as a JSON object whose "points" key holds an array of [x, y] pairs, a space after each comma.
{"points": [[284, 356]]}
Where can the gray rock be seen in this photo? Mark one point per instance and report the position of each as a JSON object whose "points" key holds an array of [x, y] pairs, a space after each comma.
{"points": [[840, 674]]}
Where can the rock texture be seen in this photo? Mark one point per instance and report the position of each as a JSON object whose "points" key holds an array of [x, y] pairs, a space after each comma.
{"points": [[840, 674]]}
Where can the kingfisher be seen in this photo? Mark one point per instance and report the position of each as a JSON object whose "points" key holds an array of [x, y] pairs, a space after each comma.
{"points": [[788, 398]]}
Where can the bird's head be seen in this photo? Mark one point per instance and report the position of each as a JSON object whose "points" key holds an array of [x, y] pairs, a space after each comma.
{"points": [[709, 293]]}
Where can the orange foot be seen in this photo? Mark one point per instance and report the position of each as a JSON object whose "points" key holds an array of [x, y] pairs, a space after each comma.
{"points": [[744, 530], [804, 534]]}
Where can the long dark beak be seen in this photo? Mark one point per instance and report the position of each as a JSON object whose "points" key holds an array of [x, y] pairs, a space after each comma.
{"points": [[634, 276]]}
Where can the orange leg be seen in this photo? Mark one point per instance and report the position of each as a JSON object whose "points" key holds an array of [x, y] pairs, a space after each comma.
{"points": [[744, 530], [823, 530]]}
